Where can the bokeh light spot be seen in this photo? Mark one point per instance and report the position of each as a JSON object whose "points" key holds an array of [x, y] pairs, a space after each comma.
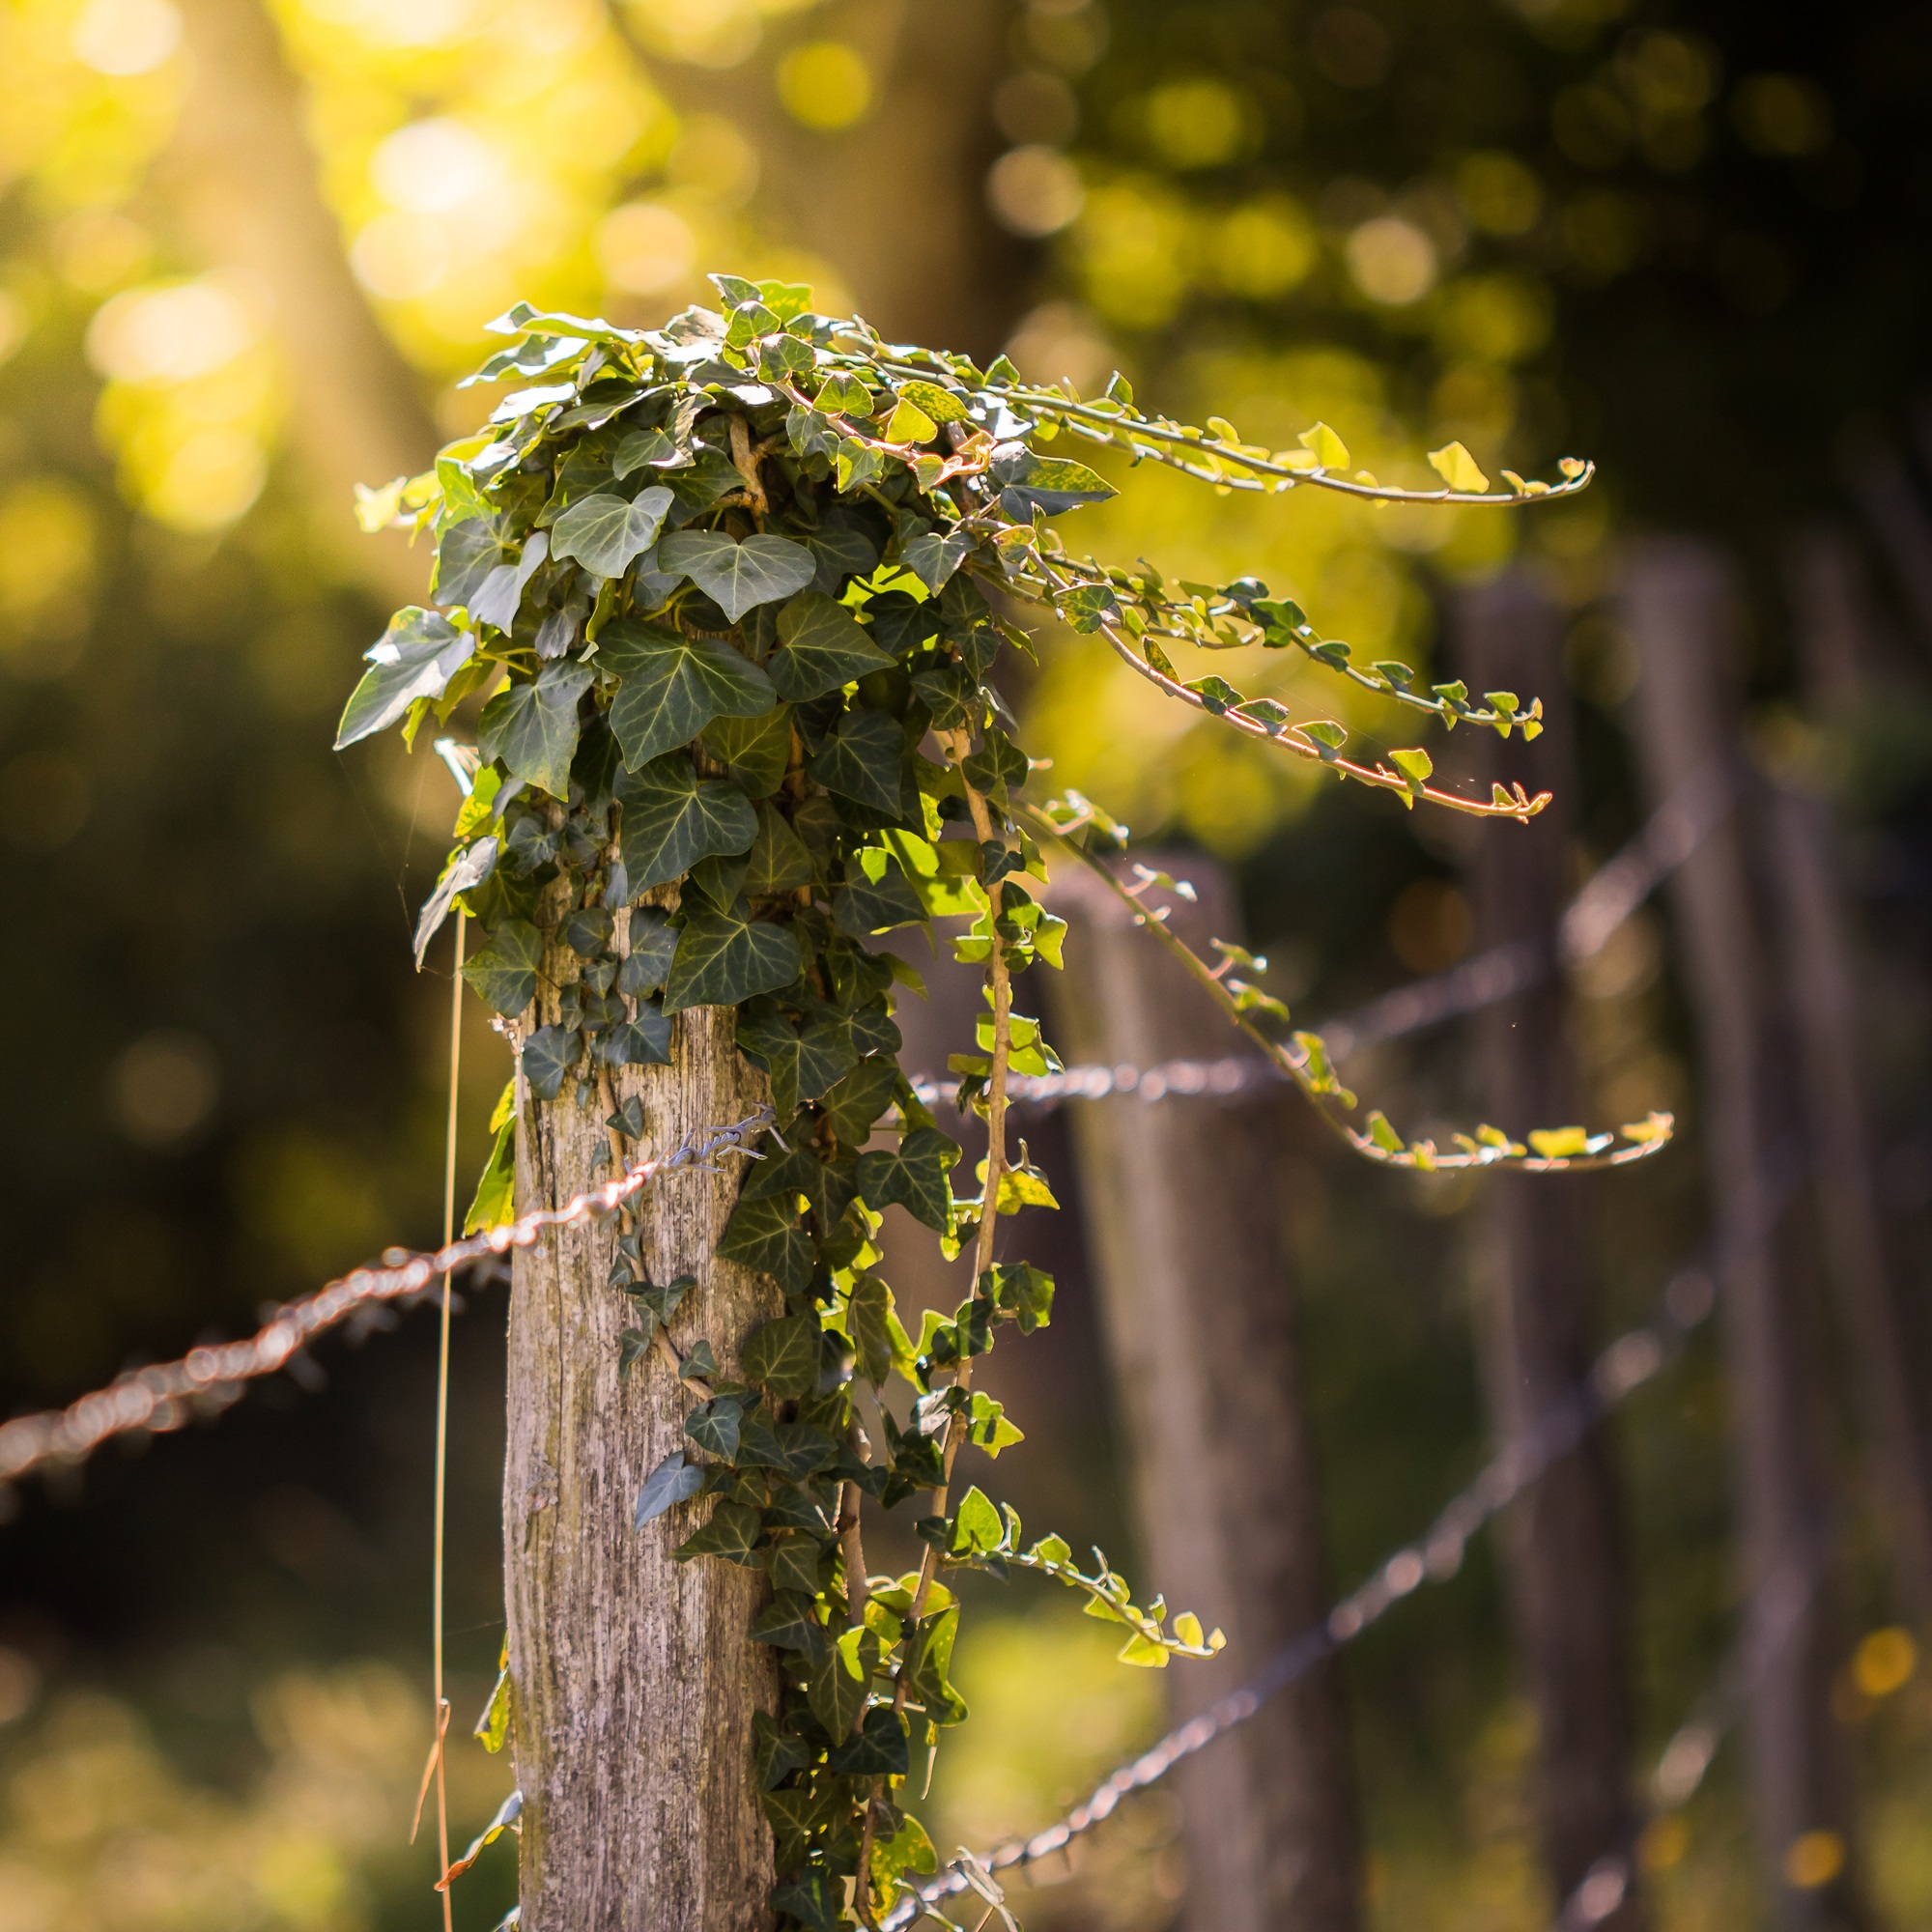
{"points": [[826, 84]]}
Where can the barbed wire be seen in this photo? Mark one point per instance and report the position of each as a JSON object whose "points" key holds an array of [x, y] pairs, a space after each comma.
{"points": [[1621, 1369], [1671, 834], [163, 1396]]}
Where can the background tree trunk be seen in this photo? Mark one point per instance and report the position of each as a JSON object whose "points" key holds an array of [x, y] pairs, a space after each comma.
{"points": [[634, 1681], [1562, 1543], [1678, 607], [1197, 1298], [251, 200]]}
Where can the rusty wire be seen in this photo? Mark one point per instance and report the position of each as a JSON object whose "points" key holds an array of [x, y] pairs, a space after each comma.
{"points": [[166, 1395]]}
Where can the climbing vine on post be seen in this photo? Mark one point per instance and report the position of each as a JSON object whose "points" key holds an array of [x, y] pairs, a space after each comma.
{"points": [[733, 591]]}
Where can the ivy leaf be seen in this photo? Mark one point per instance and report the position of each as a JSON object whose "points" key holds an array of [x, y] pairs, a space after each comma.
{"points": [[503, 973], [495, 1200], [1328, 448], [715, 1427], [1415, 766], [876, 895], [878, 1749], [496, 599], [778, 861], [977, 1528], [776, 1754], [415, 657], [494, 1725], [934, 556], [796, 1816], [861, 760], [929, 1660], [1457, 468], [859, 1098], [653, 941], [873, 1325], [731, 1533], [1021, 1290], [802, 1061], [699, 1363], [466, 554], [672, 818], [842, 552], [786, 1622], [1050, 485], [605, 534], [765, 1237], [738, 576], [1559, 1143], [670, 687], [755, 751], [645, 1042], [465, 869], [656, 447], [838, 1676], [725, 957], [533, 726], [907, 1850], [783, 1355], [912, 1175], [549, 1054], [672, 1481], [792, 1563], [821, 645]]}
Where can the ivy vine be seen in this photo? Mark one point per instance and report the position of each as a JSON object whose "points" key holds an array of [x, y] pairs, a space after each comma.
{"points": [[733, 591]]}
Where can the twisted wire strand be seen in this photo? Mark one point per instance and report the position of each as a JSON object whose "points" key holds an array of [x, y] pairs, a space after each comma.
{"points": [[162, 1396]]}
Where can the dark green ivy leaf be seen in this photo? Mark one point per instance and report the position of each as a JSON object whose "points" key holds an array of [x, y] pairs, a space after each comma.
{"points": [[876, 895], [605, 534], [549, 1054], [672, 819], [672, 687], [715, 1427], [859, 1098], [934, 556], [912, 1175], [801, 1061], [778, 861], [821, 645], [776, 1754], [645, 1042], [783, 1355], [786, 1622], [723, 959], [755, 751], [996, 765], [503, 974], [792, 1563], [765, 1236], [878, 1749], [838, 1673], [736, 576], [1021, 1290], [653, 941], [862, 759], [731, 1533], [1045, 483]]}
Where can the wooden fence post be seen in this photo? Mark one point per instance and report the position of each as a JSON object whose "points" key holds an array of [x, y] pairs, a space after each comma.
{"points": [[1678, 606], [634, 1679], [1196, 1293], [1562, 1543]]}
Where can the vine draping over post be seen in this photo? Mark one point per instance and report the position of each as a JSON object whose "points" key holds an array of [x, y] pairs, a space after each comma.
{"points": [[722, 585]]}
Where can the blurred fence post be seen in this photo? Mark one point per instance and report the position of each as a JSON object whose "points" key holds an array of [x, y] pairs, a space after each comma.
{"points": [[1678, 606], [1196, 1293], [1562, 1543]]}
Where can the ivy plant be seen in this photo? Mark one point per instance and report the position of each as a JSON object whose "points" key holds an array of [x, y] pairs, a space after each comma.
{"points": [[733, 592]]}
